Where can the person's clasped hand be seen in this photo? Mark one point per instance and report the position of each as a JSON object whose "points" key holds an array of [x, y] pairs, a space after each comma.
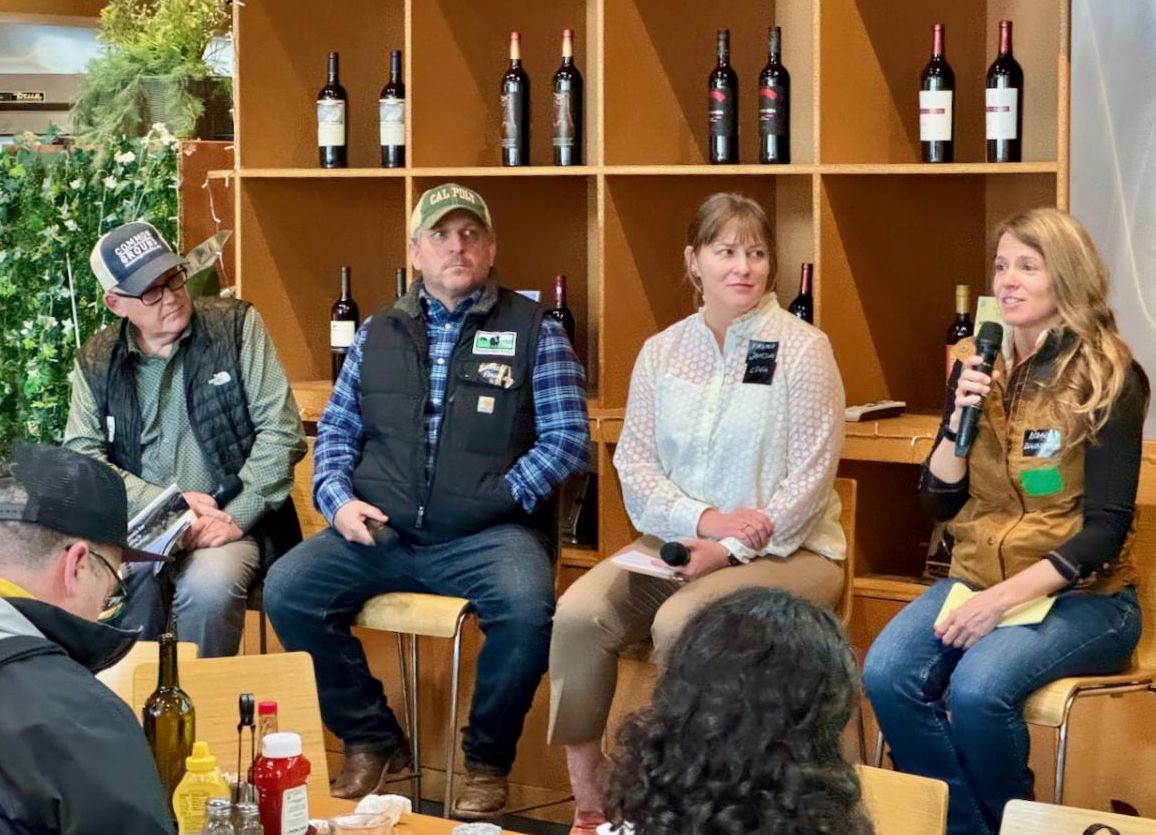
{"points": [[350, 521], [706, 556], [751, 527], [971, 620]]}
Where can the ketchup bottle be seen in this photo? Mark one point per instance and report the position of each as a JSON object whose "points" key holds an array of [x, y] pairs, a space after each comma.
{"points": [[280, 774]]}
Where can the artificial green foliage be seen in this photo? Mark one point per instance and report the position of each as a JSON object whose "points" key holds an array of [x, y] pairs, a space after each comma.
{"points": [[153, 46], [53, 207]]}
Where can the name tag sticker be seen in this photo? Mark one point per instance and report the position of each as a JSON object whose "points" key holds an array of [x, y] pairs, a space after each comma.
{"points": [[496, 374], [485, 405], [495, 343], [1046, 481], [1041, 443], [761, 359]]}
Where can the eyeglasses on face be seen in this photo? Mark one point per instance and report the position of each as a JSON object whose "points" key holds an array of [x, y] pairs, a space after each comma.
{"points": [[152, 295], [115, 601]]}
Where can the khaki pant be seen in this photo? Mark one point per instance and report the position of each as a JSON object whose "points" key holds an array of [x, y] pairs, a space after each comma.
{"points": [[610, 608]]}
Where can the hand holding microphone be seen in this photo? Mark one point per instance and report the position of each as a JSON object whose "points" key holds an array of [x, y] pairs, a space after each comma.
{"points": [[974, 384], [694, 558]]}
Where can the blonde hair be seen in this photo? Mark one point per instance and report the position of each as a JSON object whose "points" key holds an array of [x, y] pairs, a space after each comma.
{"points": [[719, 211], [1088, 374]]}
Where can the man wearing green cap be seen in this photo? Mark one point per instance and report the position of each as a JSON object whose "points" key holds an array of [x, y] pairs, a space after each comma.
{"points": [[460, 409]]}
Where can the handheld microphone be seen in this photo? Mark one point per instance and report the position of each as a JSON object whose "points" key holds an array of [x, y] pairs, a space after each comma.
{"points": [[674, 553], [987, 345], [383, 535]]}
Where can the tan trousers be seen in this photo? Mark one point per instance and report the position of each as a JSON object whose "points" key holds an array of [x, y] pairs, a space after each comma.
{"points": [[610, 608]]}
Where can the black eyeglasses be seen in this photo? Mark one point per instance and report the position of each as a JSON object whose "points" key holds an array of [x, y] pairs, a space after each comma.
{"points": [[152, 295], [115, 601]]}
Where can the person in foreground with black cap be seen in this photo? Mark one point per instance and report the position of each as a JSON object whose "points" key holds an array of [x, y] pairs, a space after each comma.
{"points": [[189, 392], [74, 758]]}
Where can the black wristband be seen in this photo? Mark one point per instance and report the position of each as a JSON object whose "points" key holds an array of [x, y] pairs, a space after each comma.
{"points": [[946, 432]]}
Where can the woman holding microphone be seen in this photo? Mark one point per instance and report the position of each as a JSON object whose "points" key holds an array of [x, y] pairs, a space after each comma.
{"points": [[1041, 506]]}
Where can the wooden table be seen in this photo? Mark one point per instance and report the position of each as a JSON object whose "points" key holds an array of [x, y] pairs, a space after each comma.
{"points": [[325, 806]]}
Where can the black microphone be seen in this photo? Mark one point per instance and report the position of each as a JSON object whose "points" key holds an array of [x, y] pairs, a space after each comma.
{"points": [[987, 345], [674, 553]]}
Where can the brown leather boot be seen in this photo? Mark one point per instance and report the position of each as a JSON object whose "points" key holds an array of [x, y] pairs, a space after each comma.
{"points": [[363, 771], [481, 797]]}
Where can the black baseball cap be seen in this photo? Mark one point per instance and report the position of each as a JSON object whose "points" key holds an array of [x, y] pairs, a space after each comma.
{"points": [[70, 493], [131, 257]]}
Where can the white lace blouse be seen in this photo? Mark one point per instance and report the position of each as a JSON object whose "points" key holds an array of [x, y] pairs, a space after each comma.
{"points": [[696, 436]]}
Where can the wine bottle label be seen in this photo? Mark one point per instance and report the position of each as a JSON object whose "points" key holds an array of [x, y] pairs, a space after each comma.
{"points": [[774, 103], [565, 133], [341, 334], [721, 113], [330, 123], [511, 111], [295, 811], [935, 115], [391, 113], [1002, 109]]}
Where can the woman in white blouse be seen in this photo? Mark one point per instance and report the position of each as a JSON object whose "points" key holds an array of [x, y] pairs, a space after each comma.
{"points": [[733, 431]]}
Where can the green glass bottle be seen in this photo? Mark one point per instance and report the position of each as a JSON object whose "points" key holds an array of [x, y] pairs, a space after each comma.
{"points": [[169, 719]]}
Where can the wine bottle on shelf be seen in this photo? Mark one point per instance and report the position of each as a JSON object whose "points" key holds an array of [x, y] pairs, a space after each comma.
{"points": [[343, 321], [804, 304], [1005, 102], [774, 104], [561, 311], [569, 96], [400, 282], [723, 106], [391, 114], [515, 108], [937, 104], [169, 719], [331, 131], [962, 326]]}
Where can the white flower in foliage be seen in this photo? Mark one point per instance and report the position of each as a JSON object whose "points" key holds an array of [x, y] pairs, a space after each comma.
{"points": [[110, 181], [125, 158], [71, 225], [75, 185]]}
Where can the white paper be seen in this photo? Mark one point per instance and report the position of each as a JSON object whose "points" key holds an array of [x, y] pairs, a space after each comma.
{"points": [[641, 563]]}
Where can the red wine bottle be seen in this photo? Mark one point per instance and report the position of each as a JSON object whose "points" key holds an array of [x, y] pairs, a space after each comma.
{"points": [[962, 326], [1005, 102], [569, 95], [561, 311], [723, 106], [343, 321], [937, 104], [804, 304], [515, 108], [391, 115], [774, 104], [331, 132], [400, 282]]}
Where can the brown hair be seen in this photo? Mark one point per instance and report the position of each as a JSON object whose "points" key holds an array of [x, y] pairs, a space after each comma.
{"points": [[719, 211], [1089, 374]]}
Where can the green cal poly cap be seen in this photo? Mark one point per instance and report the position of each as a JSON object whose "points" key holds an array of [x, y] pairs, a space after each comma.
{"points": [[439, 201]]}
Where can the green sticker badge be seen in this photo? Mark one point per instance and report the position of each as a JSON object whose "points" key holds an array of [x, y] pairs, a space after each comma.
{"points": [[1045, 481]]}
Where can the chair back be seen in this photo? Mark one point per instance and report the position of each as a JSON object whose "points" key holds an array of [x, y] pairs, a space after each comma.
{"points": [[847, 489], [903, 804], [119, 677], [1024, 817], [214, 685]]}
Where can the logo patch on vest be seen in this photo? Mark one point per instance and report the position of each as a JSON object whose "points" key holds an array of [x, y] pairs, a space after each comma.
{"points": [[495, 343], [1044, 482], [485, 405], [220, 378], [497, 374], [1041, 443]]}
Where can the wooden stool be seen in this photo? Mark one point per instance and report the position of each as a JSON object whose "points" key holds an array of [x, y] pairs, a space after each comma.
{"points": [[433, 616]]}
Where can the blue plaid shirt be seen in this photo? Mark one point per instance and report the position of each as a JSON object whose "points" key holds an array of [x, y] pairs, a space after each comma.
{"points": [[563, 434]]}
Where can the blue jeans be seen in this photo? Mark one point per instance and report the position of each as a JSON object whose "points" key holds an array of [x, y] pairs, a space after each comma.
{"points": [[210, 587], [981, 751], [313, 593]]}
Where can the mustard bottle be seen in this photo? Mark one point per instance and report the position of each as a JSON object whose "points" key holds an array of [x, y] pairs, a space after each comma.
{"points": [[202, 780]]}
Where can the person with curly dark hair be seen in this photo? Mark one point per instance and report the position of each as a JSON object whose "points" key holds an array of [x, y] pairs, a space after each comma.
{"points": [[742, 735]]}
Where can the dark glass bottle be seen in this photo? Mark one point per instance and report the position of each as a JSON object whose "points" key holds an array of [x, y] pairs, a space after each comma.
{"points": [[937, 104], [962, 326], [515, 108], [1005, 102], [723, 106], [332, 103], [561, 311], [804, 304], [391, 115], [569, 98], [774, 104], [400, 278], [169, 719], [343, 321]]}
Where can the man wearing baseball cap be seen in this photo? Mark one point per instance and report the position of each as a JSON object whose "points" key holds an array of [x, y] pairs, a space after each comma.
{"points": [[74, 756], [189, 392], [459, 411]]}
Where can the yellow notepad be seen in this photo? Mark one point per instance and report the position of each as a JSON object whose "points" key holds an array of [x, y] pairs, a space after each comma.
{"points": [[1025, 614]]}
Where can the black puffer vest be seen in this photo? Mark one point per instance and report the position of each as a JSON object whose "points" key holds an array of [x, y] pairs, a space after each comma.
{"points": [[487, 422]]}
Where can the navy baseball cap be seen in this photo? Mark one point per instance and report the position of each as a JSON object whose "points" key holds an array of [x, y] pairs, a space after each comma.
{"points": [[131, 257], [70, 493]]}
